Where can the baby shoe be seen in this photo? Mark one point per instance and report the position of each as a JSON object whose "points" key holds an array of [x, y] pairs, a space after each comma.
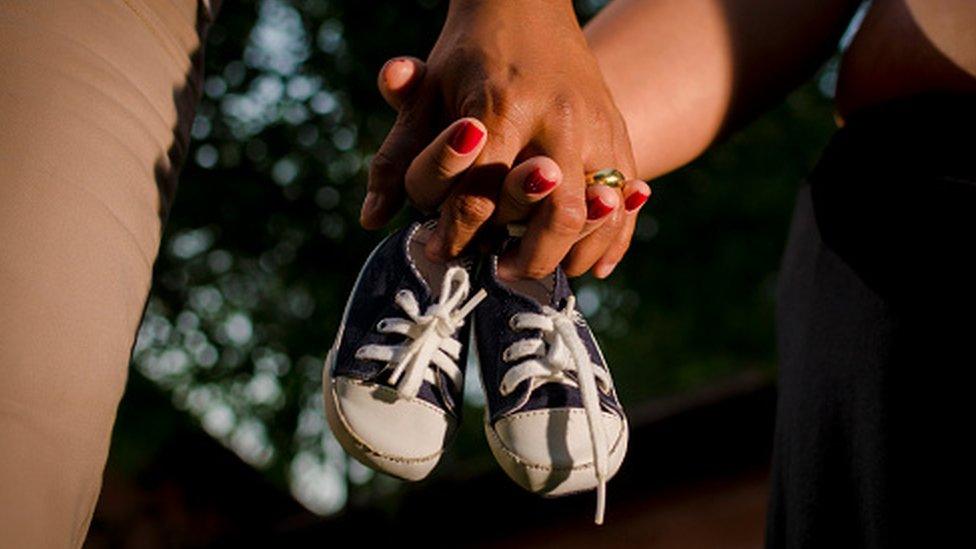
{"points": [[552, 418], [394, 377]]}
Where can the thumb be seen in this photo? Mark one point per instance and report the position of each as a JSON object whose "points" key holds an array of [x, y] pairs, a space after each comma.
{"points": [[398, 78]]}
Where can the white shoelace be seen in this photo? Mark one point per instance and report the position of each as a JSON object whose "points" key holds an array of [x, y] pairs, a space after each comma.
{"points": [[430, 341], [566, 353]]}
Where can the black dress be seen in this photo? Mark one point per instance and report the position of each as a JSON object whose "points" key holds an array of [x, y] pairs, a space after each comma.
{"points": [[876, 320]]}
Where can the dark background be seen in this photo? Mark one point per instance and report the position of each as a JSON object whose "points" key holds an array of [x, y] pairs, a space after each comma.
{"points": [[263, 245]]}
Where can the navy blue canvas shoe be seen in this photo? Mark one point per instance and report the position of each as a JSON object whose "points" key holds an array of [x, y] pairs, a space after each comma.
{"points": [[394, 377], [552, 419]]}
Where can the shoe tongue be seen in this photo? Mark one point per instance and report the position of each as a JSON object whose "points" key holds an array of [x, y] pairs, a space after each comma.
{"points": [[553, 395], [561, 289], [430, 274], [551, 290]]}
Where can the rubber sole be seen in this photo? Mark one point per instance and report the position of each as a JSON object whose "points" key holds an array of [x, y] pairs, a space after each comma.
{"points": [[548, 480]]}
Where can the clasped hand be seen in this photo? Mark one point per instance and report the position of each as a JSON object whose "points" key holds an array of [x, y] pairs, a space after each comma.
{"points": [[527, 116]]}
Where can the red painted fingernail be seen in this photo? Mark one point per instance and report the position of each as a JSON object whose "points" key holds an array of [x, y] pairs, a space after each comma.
{"points": [[597, 208], [635, 200], [466, 137], [537, 183]]}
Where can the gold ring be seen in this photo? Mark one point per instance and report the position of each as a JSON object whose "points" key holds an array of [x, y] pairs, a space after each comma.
{"points": [[611, 177]]}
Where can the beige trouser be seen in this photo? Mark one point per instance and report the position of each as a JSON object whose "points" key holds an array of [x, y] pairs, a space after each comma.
{"points": [[96, 99]]}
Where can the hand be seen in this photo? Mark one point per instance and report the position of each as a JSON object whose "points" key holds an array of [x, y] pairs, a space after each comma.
{"points": [[456, 148], [523, 69]]}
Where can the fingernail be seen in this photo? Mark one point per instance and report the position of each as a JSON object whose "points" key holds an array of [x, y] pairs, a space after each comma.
{"points": [[604, 270], [465, 137], [537, 183], [371, 205], [398, 73], [635, 200], [597, 208]]}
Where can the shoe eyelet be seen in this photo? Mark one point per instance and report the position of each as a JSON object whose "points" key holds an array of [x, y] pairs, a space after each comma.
{"points": [[511, 322], [381, 325]]}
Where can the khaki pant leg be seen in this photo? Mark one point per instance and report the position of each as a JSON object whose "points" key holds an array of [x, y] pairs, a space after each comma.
{"points": [[96, 97]]}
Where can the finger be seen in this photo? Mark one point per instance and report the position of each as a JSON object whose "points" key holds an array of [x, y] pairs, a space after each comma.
{"points": [[398, 77], [602, 203], [604, 220], [385, 190], [524, 186], [557, 222], [599, 239], [473, 198], [636, 193], [429, 177]]}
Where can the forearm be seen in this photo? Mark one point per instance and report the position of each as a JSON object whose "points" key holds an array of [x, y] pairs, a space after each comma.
{"points": [[683, 72]]}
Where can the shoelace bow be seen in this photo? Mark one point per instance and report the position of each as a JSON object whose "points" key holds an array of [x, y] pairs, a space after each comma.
{"points": [[430, 336], [566, 353]]}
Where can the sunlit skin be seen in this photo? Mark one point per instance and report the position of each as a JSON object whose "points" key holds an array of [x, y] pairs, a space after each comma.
{"points": [[680, 74], [907, 47], [685, 71]]}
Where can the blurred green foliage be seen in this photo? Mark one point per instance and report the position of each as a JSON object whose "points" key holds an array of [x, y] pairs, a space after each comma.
{"points": [[263, 244]]}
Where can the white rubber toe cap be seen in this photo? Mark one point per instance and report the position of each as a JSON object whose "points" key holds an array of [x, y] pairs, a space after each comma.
{"points": [[549, 451], [398, 436]]}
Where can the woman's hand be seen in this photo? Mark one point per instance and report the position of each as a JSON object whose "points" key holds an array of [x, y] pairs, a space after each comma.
{"points": [[523, 69], [456, 148]]}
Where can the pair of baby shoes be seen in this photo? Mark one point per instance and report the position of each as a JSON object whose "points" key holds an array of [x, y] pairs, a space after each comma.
{"points": [[394, 378]]}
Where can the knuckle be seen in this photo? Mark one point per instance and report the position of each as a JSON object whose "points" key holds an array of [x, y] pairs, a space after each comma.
{"points": [[514, 73], [479, 91], [499, 97], [601, 119], [566, 217], [463, 58], [503, 111], [565, 109], [475, 103]]}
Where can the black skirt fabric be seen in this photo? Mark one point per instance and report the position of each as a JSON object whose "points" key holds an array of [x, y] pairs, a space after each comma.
{"points": [[876, 322]]}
